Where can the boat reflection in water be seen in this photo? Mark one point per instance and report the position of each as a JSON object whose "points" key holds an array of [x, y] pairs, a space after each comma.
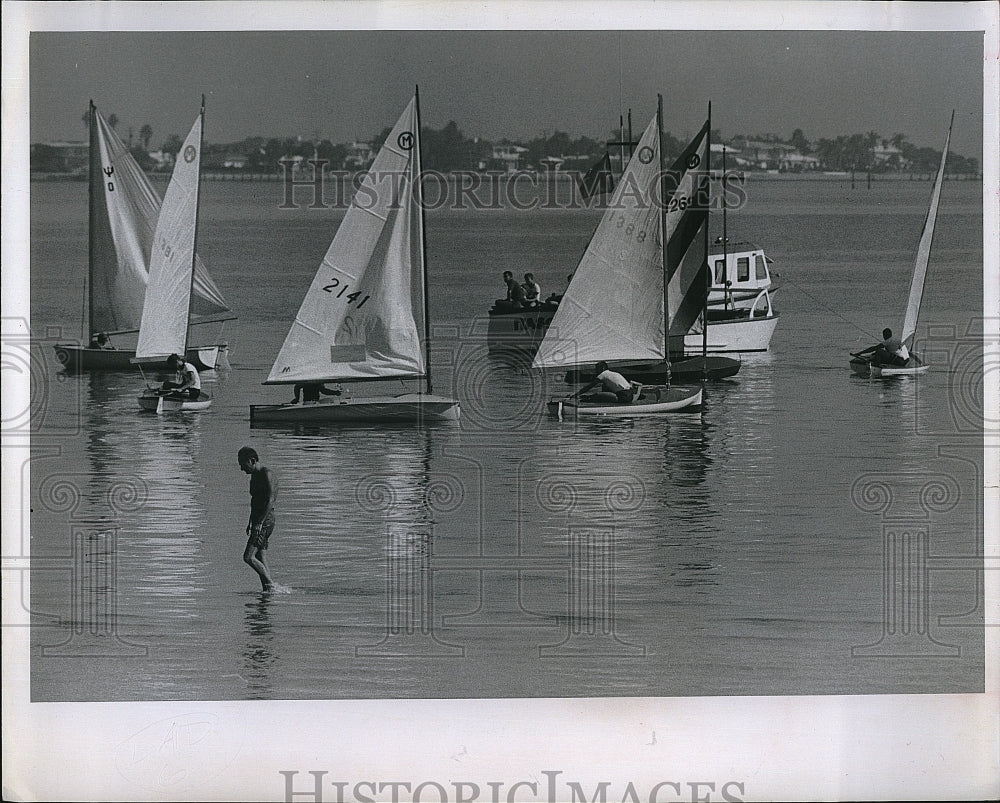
{"points": [[95, 508], [622, 527], [166, 539]]}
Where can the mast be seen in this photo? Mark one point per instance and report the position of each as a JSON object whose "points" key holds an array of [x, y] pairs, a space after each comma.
{"points": [[197, 206], [418, 190], [726, 295], [708, 269], [92, 178], [621, 142], [663, 238]]}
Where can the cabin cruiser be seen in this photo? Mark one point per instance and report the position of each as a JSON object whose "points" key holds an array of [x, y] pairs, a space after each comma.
{"points": [[740, 273]]}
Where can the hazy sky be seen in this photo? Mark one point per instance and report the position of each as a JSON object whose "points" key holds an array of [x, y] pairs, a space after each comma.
{"points": [[516, 84]]}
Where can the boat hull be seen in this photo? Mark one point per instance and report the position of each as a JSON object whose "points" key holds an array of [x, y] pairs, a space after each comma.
{"points": [[738, 335], [652, 402], [159, 403], [520, 331], [75, 359], [405, 408], [864, 368], [682, 371]]}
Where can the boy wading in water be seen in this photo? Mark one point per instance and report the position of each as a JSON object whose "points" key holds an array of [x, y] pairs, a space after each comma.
{"points": [[263, 491]]}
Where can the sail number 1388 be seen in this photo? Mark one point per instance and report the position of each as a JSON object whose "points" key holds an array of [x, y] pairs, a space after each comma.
{"points": [[351, 297]]}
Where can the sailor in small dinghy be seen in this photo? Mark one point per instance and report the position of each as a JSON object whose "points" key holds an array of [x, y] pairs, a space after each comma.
{"points": [[311, 391], [891, 351], [188, 382], [614, 387]]}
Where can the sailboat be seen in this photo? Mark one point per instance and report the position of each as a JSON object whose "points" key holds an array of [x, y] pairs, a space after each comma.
{"points": [[163, 329], [640, 282], [359, 320], [124, 208], [870, 365]]}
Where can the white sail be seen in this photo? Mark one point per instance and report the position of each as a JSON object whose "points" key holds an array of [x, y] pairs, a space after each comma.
{"points": [[163, 329], [123, 217], [123, 221], [359, 318], [613, 308], [924, 252]]}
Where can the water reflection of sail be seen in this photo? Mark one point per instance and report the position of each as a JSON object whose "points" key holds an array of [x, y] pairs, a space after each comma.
{"points": [[107, 444], [625, 522], [162, 544], [109, 495], [97, 503], [693, 545], [399, 491]]}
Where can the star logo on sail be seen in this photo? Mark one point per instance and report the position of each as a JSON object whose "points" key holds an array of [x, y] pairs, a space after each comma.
{"points": [[693, 161], [405, 140], [646, 154], [190, 153]]}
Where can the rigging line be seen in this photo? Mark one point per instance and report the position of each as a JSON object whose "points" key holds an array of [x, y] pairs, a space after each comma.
{"points": [[830, 309]]}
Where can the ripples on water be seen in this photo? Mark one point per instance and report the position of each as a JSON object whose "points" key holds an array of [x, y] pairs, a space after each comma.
{"points": [[733, 551]]}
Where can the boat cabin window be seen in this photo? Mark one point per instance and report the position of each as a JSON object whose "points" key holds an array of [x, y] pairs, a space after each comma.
{"points": [[743, 269], [720, 271], [761, 266]]}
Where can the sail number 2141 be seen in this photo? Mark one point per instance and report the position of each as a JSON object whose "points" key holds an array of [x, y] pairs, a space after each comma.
{"points": [[351, 297]]}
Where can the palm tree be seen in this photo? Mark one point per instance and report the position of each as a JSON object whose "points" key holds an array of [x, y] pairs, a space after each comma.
{"points": [[799, 141], [172, 145]]}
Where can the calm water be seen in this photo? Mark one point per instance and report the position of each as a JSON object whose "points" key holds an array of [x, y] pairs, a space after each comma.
{"points": [[741, 550]]}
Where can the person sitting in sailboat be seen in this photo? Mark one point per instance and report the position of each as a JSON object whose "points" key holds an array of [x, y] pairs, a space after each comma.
{"points": [[100, 341], [188, 382], [532, 292], [311, 391], [614, 387], [891, 351], [515, 295]]}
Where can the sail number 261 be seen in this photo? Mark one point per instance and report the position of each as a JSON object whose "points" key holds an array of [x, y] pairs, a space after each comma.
{"points": [[351, 297]]}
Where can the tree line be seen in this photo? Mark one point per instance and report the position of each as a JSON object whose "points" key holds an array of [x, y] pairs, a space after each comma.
{"points": [[449, 149], [858, 152]]}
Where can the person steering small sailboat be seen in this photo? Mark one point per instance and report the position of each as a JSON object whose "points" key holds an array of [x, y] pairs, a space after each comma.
{"points": [[895, 357], [642, 280], [166, 309], [359, 320]]}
